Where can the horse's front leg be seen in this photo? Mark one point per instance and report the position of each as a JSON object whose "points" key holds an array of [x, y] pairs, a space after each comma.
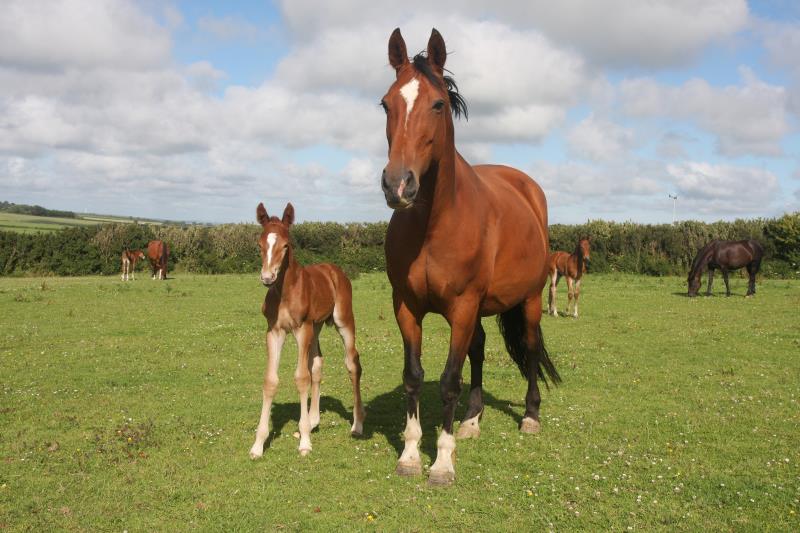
{"points": [[710, 281], [302, 378], [275, 338], [470, 427], [462, 318], [410, 325]]}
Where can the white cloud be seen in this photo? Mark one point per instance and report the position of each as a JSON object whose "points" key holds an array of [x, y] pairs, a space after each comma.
{"points": [[727, 189], [746, 119], [63, 34], [600, 139]]}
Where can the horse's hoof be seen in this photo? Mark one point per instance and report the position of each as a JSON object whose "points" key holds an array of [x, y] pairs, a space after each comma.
{"points": [[357, 430], [529, 425], [441, 478], [408, 468], [255, 453], [305, 451], [469, 430]]}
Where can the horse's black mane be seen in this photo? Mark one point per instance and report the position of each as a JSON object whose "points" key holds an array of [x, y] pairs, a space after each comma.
{"points": [[701, 259], [458, 105]]}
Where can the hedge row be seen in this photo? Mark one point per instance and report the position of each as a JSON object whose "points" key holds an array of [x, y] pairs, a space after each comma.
{"points": [[232, 248]]}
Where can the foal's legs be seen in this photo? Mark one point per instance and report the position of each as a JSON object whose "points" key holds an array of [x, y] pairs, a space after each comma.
{"points": [[346, 326], [577, 294], [124, 270], [570, 294], [302, 378], [462, 319], [551, 300], [410, 325], [710, 281], [469, 426], [535, 346], [275, 339], [752, 270], [315, 355], [725, 278]]}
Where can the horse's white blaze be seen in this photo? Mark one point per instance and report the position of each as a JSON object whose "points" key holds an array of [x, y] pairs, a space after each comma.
{"points": [[271, 239], [409, 92]]}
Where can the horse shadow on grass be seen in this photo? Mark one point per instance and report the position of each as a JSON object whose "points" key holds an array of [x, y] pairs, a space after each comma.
{"points": [[386, 414]]}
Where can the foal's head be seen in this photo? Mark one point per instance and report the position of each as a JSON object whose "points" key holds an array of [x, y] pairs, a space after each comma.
{"points": [[274, 242], [418, 123], [583, 248]]}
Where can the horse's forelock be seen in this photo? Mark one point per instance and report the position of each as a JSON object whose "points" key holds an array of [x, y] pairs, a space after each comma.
{"points": [[458, 106]]}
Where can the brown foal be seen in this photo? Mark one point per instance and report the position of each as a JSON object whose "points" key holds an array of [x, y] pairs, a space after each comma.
{"points": [[571, 266], [129, 259], [300, 300]]}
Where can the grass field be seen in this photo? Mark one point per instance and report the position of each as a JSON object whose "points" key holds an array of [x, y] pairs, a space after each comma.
{"points": [[133, 407], [36, 224]]}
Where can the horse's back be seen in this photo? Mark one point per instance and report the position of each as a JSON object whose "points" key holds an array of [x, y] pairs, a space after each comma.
{"points": [[329, 287], [519, 183]]}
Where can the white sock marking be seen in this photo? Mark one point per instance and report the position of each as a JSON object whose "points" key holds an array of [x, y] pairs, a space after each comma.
{"points": [[409, 91]]}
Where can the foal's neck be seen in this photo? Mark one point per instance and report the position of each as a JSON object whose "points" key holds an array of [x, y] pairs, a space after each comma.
{"points": [[289, 275]]}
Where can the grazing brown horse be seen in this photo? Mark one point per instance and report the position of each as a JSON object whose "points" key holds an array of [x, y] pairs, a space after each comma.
{"points": [[463, 242], [129, 259], [726, 256], [300, 300], [571, 266], [158, 254]]}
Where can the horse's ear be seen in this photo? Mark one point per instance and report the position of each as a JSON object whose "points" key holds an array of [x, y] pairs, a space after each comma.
{"points": [[261, 214], [398, 56], [437, 51], [288, 215]]}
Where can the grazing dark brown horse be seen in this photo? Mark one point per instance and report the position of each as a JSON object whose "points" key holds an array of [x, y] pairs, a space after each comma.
{"points": [[129, 259], [464, 242], [726, 256], [158, 254], [301, 300], [571, 266]]}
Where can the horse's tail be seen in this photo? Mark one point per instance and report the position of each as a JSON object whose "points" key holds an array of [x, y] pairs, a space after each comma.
{"points": [[512, 325]]}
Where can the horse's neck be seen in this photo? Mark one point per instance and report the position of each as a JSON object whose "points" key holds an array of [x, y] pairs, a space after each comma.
{"points": [[289, 277], [444, 190]]}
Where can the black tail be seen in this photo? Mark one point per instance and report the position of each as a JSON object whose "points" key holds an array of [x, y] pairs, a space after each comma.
{"points": [[512, 325]]}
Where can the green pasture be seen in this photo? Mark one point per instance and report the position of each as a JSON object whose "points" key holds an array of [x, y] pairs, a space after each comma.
{"points": [[132, 406], [36, 224]]}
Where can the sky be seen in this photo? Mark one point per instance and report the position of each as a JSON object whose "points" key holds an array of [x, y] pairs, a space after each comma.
{"points": [[197, 110]]}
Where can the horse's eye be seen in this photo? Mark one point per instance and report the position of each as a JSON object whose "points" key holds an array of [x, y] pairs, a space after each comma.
{"points": [[385, 107], [438, 105]]}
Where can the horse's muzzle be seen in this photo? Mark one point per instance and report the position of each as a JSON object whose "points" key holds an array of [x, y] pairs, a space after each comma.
{"points": [[268, 280], [399, 191]]}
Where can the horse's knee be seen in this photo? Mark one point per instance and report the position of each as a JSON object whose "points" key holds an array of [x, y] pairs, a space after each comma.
{"points": [[450, 384], [302, 380], [270, 386], [412, 379]]}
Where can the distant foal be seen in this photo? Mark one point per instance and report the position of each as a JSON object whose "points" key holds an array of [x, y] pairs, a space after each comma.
{"points": [[302, 299], [572, 266], [158, 254], [129, 259]]}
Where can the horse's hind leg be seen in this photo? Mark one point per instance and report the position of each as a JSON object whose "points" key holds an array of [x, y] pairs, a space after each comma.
{"points": [[537, 356], [710, 281], [725, 278], [346, 325], [315, 359], [470, 427]]}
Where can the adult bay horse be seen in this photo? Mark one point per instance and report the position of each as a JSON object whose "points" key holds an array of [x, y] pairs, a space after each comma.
{"points": [[464, 242], [129, 259], [301, 300], [571, 266], [158, 254], [726, 256]]}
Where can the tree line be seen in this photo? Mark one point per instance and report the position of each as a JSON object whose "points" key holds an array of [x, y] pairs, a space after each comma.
{"points": [[37, 210], [652, 249]]}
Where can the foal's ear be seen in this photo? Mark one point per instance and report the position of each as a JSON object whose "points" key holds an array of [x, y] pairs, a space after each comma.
{"points": [[398, 56], [288, 215], [437, 51], [261, 214]]}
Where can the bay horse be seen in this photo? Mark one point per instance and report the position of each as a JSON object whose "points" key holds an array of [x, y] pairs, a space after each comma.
{"points": [[464, 242], [129, 259], [571, 266], [158, 254], [726, 256], [301, 300]]}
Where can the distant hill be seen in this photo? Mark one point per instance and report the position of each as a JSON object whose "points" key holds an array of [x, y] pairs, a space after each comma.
{"points": [[35, 210]]}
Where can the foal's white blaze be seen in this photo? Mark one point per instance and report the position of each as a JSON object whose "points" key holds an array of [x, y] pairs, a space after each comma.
{"points": [[271, 239], [409, 92]]}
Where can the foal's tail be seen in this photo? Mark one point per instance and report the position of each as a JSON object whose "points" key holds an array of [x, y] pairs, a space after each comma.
{"points": [[512, 325]]}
